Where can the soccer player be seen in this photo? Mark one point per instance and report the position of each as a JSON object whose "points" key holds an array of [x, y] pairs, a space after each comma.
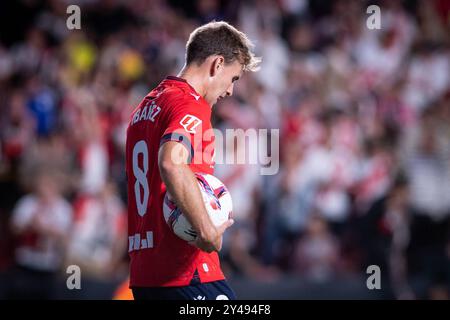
{"points": [[168, 140]]}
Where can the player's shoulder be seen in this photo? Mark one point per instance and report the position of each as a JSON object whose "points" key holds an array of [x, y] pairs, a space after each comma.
{"points": [[170, 93], [177, 96], [176, 100]]}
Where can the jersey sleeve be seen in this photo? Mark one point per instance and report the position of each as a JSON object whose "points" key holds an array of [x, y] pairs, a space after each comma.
{"points": [[186, 124]]}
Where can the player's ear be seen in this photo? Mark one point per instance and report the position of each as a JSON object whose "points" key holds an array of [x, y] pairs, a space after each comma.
{"points": [[217, 65]]}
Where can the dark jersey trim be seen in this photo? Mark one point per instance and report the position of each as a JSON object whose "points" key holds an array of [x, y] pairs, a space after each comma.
{"points": [[179, 138]]}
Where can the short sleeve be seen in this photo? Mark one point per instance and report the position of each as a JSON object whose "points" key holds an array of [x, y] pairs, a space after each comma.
{"points": [[186, 124]]}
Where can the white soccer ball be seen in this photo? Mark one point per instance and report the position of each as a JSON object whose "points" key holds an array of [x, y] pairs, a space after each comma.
{"points": [[217, 201]]}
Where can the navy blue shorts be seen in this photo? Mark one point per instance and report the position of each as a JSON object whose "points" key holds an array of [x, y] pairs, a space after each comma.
{"points": [[217, 290]]}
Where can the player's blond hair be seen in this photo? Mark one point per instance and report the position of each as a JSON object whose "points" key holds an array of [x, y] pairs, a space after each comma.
{"points": [[221, 38]]}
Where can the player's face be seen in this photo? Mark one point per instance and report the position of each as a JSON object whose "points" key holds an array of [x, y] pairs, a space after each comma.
{"points": [[222, 83]]}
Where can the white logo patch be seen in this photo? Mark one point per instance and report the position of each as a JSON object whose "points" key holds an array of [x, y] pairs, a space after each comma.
{"points": [[190, 122]]}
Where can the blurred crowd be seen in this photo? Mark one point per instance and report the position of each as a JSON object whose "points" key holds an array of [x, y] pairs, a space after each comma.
{"points": [[364, 120]]}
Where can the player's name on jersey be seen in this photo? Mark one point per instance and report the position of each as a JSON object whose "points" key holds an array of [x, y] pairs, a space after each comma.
{"points": [[148, 112]]}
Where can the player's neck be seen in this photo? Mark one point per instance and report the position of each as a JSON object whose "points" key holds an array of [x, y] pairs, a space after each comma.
{"points": [[195, 78]]}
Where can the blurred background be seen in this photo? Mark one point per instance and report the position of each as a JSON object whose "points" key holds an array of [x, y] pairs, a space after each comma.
{"points": [[364, 119]]}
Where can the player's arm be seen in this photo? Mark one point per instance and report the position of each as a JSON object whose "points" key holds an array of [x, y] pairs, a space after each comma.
{"points": [[182, 185]]}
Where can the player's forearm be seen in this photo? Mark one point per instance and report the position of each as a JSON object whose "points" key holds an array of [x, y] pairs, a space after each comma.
{"points": [[182, 186]]}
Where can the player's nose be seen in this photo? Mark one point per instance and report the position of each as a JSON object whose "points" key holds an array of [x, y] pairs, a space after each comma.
{"points": [[230, 90]]}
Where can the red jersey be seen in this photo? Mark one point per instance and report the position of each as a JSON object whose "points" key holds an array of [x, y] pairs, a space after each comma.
{"points": [[173, 111]]}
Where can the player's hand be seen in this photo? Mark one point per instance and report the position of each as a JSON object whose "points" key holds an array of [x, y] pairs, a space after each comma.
{"points": [[213, 240]]}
